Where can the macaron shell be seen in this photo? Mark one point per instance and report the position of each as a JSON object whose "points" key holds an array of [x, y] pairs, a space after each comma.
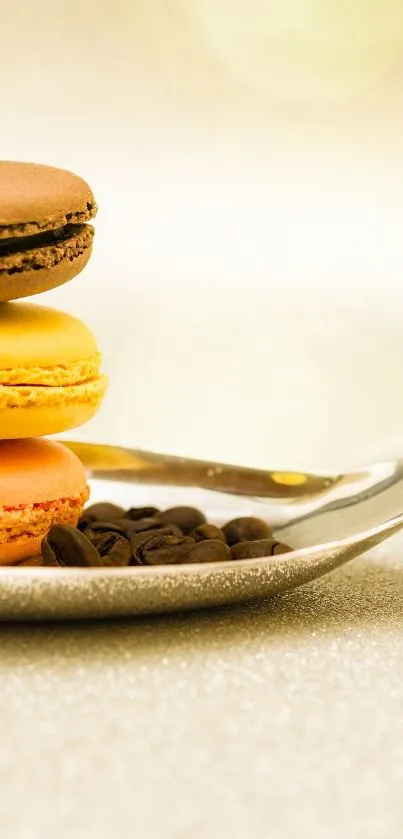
{"points": [[45, 250], [34, 198], [36, 336], [17, 548], [41, 421], [36, 471], [61, 375], [49, 372], [13, 286], [23, 528], [14, 552]]}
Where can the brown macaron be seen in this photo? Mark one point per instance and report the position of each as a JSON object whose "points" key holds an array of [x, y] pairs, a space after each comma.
{"points": [[44, 238]]}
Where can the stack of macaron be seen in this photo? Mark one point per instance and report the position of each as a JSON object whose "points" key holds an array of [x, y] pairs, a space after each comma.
{"points": [[50, 378]]}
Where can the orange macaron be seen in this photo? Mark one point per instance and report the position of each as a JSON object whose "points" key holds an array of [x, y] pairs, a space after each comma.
{"points": [[41, 483]]}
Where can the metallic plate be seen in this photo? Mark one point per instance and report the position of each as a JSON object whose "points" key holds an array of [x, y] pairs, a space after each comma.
{"points": [[329, 519]]}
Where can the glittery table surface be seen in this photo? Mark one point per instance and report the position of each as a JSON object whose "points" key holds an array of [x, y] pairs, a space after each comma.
{"points": [[278, 719]]}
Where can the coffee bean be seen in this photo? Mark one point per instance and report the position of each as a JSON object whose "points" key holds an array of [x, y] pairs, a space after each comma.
{"points": [[258, 548], [164, 550], [104, 511], [141, 525], [207, 531], [126, 527], [281, 548], [85, 522], [98, 527], [65, 545], [209, 550], [186, 518], [245, 529], [113, 549], [136, 513], [137, 539], [108, 535]]}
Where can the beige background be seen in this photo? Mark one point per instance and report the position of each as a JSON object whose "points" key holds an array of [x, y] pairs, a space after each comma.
{"points": [[246, 281], [246, 291]]}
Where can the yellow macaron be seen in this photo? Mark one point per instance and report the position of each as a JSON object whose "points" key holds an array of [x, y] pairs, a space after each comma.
{"points": [[49, 372]]}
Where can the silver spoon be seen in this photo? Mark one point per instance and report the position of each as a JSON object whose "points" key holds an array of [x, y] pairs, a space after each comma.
{"points": [[329, 519]]}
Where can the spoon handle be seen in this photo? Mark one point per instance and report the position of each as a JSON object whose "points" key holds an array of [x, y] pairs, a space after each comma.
{"points": [[134, 465]]}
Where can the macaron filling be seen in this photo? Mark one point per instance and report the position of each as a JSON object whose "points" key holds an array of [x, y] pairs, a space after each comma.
{"points": [[44, 250]]}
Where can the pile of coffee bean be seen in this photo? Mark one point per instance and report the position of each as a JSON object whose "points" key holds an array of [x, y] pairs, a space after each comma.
{"points": [[109, 536]]}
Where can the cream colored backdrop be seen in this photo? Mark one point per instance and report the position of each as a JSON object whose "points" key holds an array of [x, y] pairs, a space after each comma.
{"points": [[246, 284]]}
